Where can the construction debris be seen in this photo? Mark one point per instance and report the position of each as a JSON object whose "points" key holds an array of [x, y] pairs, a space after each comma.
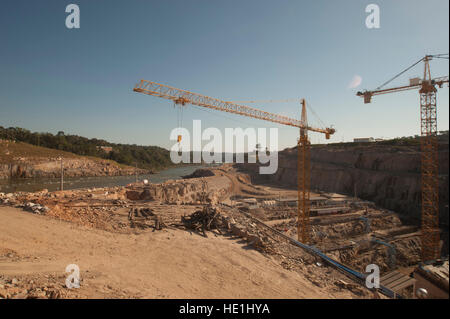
{"points": [[139, 217], [36, 208], [202, 220], [356, 236]]}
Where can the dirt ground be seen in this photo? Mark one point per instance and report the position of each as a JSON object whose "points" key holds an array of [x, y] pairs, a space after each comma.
{"points": [[134, 242], [172, 263]]}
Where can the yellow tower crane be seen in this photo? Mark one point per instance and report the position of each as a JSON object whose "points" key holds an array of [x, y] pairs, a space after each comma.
{"points": [[183, 97], [429, 149]]}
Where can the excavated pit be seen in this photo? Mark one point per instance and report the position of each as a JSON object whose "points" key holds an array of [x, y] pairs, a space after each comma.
{"points": [[357, 237], [350, 230]]}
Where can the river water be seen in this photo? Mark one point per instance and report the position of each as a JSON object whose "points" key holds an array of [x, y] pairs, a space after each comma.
{"points": [[53, 184]]}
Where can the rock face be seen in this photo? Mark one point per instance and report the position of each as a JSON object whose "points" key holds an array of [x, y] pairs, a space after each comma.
{"points": [[73, 167], [387, 175], [191, 191]]}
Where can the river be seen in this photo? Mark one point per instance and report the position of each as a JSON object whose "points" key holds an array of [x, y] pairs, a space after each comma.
{"points": [[53, 184]]}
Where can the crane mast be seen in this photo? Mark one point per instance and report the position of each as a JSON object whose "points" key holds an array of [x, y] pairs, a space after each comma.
{"points": [[183, 97], [430, 173], [303, 180]]}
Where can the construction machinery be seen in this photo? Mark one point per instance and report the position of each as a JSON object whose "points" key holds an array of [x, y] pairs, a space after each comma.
{"points": [[429, 149], [183, 97]]}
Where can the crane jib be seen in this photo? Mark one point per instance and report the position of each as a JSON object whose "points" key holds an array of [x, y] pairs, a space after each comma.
{"points": [[185, 97]]}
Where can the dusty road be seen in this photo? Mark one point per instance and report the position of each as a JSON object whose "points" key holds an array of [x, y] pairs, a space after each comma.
{"points": [[165, 264]]}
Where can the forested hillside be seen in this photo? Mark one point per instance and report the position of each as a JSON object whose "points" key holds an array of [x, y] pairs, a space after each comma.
{"points": [[148, 157]]}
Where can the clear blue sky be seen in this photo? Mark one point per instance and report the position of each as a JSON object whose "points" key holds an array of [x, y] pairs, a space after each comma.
{"points": [[80, 81]]}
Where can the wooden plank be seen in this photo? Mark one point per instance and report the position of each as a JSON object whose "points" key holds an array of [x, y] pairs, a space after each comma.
{"points": [[391, 278], [406, 284], [388, 275], [398, 282]]}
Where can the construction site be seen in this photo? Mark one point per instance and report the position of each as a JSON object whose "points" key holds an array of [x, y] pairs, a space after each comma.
{"points": [[347, 234], [112, 216], [327, 238]]}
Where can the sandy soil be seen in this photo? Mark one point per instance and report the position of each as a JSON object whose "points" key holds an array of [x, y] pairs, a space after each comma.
{"points": [[166, 264]]}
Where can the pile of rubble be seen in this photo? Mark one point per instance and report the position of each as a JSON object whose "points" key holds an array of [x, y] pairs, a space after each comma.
{"points": [[88, 207], [179, 192], [7, 199], [12, 200], [35, 208], [248, 230], [212, 218], [203, 220], [33, 287]]}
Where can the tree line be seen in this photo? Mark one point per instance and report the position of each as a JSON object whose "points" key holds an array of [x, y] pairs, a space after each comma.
{"points": [[147, 157]]}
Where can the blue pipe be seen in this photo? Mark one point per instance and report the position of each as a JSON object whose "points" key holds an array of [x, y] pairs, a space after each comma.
{"points": [[315, 251]]}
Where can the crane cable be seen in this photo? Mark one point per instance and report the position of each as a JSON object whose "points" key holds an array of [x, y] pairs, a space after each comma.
{"points": [[179, 122], [439, 56], [309, 107], [284, 101], [221, 115], [407, 69], [267, 101]]}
